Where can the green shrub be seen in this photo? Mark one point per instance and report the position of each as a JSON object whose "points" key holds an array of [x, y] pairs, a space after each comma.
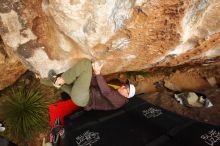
{"points": [[25, 112]]}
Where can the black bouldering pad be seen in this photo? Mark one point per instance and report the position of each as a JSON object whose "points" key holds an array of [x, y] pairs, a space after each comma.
{"points": [[136, 124]]}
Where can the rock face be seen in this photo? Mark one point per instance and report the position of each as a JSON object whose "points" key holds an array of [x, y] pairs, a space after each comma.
{"points": [[126, 34], [10, 67]]}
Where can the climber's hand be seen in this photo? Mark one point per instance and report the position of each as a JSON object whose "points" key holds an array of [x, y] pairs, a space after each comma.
{"points": [[97, 66]]}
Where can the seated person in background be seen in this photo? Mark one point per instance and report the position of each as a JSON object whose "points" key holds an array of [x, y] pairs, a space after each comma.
{"points": [[90, 90]]}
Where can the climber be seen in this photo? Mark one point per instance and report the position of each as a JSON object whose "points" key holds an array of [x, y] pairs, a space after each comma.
{"points": [[90, 90]]}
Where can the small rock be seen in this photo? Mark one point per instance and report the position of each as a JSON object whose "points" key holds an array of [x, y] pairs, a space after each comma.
{"points": [[212, 81]]}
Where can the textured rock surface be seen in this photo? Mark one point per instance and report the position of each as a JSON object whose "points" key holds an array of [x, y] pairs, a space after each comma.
{"points": [[10, 67], [126, 34]]}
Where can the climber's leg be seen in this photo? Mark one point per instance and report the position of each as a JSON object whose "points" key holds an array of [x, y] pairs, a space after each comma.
{"points": [[80, 76]]}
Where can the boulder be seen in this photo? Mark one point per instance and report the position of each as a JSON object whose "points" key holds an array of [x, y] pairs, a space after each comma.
{"points": [[127, 35]]}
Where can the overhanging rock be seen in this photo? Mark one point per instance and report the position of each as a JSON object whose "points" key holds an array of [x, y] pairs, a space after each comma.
{"points": [[126, 34]]}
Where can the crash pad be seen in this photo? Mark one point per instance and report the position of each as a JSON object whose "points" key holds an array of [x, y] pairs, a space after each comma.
{"points": [[138, 123]]}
